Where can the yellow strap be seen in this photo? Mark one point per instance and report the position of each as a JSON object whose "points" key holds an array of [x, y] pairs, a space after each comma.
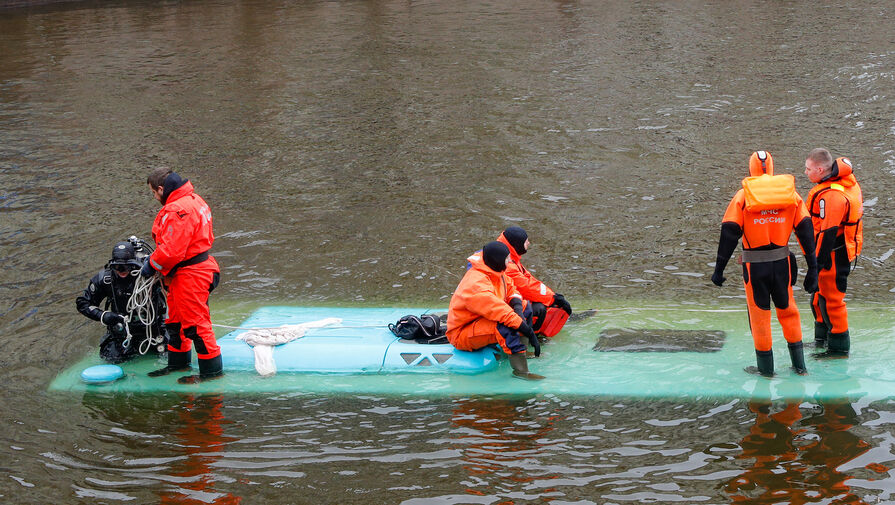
{"points": [[840, 187]]}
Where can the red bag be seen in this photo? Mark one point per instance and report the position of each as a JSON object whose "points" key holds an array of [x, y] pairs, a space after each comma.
{"points": [[553, 321]]}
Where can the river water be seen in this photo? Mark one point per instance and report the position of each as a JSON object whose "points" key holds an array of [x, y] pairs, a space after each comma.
{"points": [[355, 153]]}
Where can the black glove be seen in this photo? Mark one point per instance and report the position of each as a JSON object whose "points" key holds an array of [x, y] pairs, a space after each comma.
{"points": [[718, 278], [147, 270], [811, 281], [526, 330], [560, 301], [111, 318], [825, 261], [517, 306]]}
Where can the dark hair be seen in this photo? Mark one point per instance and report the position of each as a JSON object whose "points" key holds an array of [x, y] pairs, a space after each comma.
{"points": [[157, 176]]}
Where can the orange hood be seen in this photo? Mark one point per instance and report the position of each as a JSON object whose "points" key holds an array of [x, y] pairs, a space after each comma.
{"points": [[761, 163]]}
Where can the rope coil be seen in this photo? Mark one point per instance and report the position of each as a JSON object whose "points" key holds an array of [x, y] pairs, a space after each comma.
{"points": [[140, 306]]}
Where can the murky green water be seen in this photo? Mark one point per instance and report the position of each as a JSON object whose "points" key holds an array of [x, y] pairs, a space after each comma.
{"points": [[356, 153]]}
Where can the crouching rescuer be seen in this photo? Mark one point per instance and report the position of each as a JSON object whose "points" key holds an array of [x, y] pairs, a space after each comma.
{"points": [[182, 231], [486, 309], [764, 213]]}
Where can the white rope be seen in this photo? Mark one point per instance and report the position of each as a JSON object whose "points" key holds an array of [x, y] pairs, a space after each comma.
{"points": [[141, 308]]}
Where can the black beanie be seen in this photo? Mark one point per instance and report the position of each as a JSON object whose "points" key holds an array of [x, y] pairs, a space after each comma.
{"points": [[495, 256], [516, 236], [172, 183]]}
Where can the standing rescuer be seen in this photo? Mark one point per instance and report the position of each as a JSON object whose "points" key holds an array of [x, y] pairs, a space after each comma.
{"points": [[182, 231], [764, 214], [485, 309], [837, 208]]}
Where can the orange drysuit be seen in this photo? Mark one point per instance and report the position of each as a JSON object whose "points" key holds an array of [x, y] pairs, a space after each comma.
{"points": [[183, 235], [479, 305], [764, 214], [525, 283], [836, 207]]}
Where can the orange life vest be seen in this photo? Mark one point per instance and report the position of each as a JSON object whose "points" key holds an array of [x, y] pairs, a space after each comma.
{"points": [[852, 226], [769, 192], [766, 209]]}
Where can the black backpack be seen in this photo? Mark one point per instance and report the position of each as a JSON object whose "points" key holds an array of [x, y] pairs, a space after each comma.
{"points": [[424, 329]]}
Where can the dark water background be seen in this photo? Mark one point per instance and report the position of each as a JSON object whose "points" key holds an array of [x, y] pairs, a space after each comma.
{"points": [[355, 153]]}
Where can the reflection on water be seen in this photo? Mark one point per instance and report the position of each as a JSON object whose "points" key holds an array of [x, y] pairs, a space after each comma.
{"points": [[797, 464], [199, 434], [357, 152], [500, 437], [297, 448]]}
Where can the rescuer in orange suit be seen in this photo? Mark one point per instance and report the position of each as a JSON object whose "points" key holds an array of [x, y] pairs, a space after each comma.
{"points": [[764, 214], [486, 309], [836, 207], [183, 235], [531, 289]]}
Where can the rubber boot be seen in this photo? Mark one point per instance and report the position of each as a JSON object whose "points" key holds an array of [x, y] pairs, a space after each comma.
{"points": [[211, 368], [765, 361], [177, 362], [838, 346], [820, 335], [797, 356], [520, 368]]}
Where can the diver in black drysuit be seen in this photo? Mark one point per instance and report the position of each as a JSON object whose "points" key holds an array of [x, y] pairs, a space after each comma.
{"points": [[115, 284]]}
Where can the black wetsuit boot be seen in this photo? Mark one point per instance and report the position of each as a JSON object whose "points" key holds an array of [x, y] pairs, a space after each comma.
{"points": [[820, 335], [797, 356], [765, 361], [837, 347], [177, 362], [210, 368]]}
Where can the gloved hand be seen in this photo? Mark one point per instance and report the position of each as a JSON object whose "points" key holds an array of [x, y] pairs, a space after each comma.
{"points": [[111, 318], [517, 306], [811, 281], [560, 301], [526, 330], [718, 278], [147, 270], [825, 261]]}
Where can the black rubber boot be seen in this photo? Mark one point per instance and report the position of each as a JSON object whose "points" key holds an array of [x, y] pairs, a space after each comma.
{"points": [[837, 347], [820, 335], [520, 368], [177, 362], [209, 369], [765, 361], [797, 356]]}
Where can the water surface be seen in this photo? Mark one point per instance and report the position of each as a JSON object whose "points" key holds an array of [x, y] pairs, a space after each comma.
{"points": [[356, 153]]}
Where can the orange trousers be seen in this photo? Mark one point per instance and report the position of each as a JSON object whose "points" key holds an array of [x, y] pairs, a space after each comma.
{"points": [[189, 318], [766, 282], [828, 304]]}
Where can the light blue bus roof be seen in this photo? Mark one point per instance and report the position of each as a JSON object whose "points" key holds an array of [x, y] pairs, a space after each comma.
{"points": [[575, 362]]}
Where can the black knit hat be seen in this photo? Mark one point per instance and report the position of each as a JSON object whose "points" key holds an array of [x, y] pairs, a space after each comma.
{"points": [[516, 236], [495, 255]]}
